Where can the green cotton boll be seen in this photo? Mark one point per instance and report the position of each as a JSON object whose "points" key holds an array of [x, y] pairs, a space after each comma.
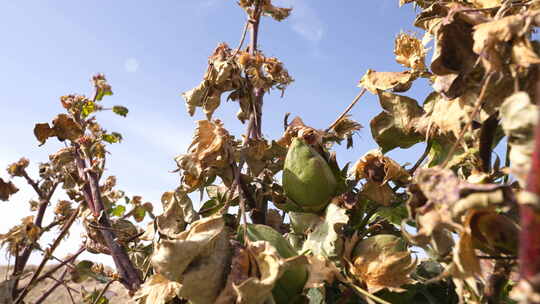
{"points": [[307, 178]]}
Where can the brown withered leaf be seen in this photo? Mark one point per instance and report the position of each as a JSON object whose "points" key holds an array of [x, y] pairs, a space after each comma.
{"points": [[17, 168], [379, 193], [7, 189], [271, 266], [486, 3], [25, 233], [380, 168], [43, 131], [178, 213], [453, 53], [157, 290], [446, 117], [66, 128], [297, 128], [209, 151], [374, 81], [523, 53], [344, 129], [200, 254], [278, 13], [394, 127], [410, 52], [381, 261], [489, 37], [321, 271], [518, 118]]}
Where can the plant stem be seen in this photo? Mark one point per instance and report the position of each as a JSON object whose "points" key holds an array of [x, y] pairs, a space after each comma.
{"points": [[254, 129], [355, 100], [46, 294], [47, 256], [529, 245], [128, 273]]}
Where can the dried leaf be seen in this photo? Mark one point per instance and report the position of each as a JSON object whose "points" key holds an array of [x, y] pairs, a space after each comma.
{"points": [[325, 239], [209, 152], [394, 127], [377, 167], [157, 290], [7, 189], [200, 254], [321, 271], [518, 118], [382, 261], [178, 212], [410, 52], [374, 81]]}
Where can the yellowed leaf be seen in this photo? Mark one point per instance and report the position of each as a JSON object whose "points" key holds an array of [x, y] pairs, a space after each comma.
{"points": [[374, 81], [410, 52]]}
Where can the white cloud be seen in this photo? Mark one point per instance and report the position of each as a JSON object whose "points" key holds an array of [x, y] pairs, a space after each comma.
{"points": [[304, 20], [131, 65]]}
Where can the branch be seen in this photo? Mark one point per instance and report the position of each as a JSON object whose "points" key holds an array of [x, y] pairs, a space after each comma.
{"points": [[46, 294], [60, 265], [355, 100], [47, 255], [129, 275]]}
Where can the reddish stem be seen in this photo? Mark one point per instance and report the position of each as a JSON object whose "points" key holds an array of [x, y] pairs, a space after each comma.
{"points": [[529, 251]]}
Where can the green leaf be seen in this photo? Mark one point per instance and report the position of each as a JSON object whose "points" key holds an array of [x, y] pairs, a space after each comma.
{"points": [[118, 210], [120, 110], [112, 138], [88, 108], [139, 213]]}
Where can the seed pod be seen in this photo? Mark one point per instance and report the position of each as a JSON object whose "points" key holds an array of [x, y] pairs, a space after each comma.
{"points": [[307, 178]]}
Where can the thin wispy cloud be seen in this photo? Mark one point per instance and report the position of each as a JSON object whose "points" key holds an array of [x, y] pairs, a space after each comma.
{"points": [[304, 20]]}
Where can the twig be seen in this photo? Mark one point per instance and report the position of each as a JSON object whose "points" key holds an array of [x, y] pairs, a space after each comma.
{"points": [[244, 32], [47, 255], [355, 100], [366, 293], [421, 159], [469, 123], [46, 294], [65, 262], [96, 301]]}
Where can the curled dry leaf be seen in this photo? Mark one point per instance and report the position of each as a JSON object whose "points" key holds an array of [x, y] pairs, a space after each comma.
{"points": [[297, 128], [345, 128], [64, 127], [379, 168], [209, 152], [394, 127], [410, 52], [7, 189], [271, 266], [178, 213], [17, 169], [374, 81], [23, 234], [518, 119], [200, 254], [157, 290], [321, 271], [381, 261], [325, 239]]}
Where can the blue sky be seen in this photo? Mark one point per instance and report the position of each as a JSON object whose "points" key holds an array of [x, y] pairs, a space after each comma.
{"points": [[151, 51]]}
